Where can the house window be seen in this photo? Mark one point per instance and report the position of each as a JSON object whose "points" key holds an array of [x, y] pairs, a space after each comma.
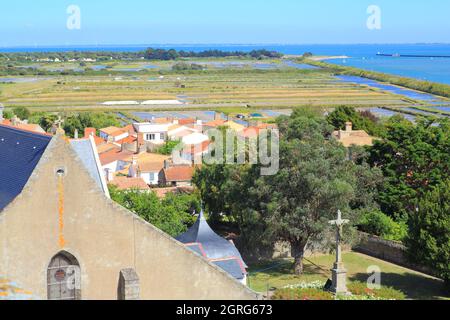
{"points": [[152, 176], [151, 137], [162, 136]]}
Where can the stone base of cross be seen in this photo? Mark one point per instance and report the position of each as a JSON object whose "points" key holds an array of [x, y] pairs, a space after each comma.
{"points": [[339, 273]]}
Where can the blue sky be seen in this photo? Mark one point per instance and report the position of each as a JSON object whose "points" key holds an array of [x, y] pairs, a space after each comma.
{"points": [[43, 22]]}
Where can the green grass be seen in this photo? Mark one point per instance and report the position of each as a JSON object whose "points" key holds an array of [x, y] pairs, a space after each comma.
{"points": [[415, 285]]}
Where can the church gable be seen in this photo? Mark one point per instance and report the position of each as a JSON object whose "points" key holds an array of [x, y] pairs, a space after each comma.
{"points": [[62, 210]]}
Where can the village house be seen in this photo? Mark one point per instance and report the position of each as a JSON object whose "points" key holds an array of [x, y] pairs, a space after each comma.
{"points": [[177, 176], [154, 133], [147, 167], [114, 134], [349, 137], [58, 226]]}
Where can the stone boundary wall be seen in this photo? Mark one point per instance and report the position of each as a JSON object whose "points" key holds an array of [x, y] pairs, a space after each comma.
{"points": [[391, 251]]}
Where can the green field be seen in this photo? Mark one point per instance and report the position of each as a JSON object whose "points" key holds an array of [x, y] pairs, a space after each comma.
{"points": [[213, 88]]}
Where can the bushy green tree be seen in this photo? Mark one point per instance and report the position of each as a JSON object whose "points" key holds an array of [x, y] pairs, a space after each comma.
{"points": [[22, 113], [414, 158], [314, 181], [361, 120], [429, 238], [172, 215], [80, 121]]}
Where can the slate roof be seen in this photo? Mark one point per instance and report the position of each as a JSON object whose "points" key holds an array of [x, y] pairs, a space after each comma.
{"points": [[87, 154], [216, 249], [233, 266], [20, 152]]}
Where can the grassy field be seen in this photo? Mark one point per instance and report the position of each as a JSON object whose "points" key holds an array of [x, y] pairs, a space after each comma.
{"points": [[277, 274], [212, 88]]}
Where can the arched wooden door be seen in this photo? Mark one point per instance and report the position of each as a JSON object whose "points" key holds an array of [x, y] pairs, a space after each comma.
{"points": [[64, 278]]}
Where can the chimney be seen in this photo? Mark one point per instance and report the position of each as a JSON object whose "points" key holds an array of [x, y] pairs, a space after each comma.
{"points": [[75, 134], [139, 141], [2, 108], [109, 175], [90, 132], [348, 127], [217, 116], [166, 164]]}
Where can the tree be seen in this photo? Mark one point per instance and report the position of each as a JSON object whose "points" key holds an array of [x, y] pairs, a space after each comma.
{"points": [[361, 120], [80, 121], [315, 179], [8, 114], [22, 113], [172, 215], [429, 239], [414, 158]]}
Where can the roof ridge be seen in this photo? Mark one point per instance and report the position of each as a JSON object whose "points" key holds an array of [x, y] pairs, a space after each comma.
{"points": [[25, 131]]}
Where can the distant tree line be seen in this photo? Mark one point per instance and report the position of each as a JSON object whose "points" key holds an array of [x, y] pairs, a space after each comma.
{"points": [[149, 54], [172, 54]]}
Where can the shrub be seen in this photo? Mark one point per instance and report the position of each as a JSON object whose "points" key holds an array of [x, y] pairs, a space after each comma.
{"points": [[302, 294], [360, 289], [314, 291], [379, 224]]}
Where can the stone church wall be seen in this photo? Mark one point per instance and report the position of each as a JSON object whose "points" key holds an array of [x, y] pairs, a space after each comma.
{"points": [[72, 214]]}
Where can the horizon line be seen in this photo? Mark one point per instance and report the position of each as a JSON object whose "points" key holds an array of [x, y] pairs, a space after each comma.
{"points": [[29, 46]]}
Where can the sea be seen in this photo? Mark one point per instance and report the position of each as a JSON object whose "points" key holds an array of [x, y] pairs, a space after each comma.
{"points": [[363, 56]]}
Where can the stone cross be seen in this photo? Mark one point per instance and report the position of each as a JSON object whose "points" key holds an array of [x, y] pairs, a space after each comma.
{"points": [[59, 122], [339, 272], [339, 223]]}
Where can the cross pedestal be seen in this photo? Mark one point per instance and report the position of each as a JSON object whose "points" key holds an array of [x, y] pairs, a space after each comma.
{"points": [[339, 278], [339, 273]]}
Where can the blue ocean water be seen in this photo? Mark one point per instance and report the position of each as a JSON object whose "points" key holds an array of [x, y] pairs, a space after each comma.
{"points": [[360, 55]]}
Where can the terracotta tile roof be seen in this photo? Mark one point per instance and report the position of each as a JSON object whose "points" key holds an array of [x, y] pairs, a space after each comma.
{"points": [[353, 137], [151, 162], [179, 173], [105, 147], [31, 127], [90, 132], [130, 128], [115, 155], [186, 121], [250, 132], [112, 130], [161, 120], [197, 149], [234, 125], [163, 192], [215, 123], [129, 139], [125, 183], [174, 126]]}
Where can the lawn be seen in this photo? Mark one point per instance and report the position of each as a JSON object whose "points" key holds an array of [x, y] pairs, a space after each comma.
{"points": [[278, 274]]}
